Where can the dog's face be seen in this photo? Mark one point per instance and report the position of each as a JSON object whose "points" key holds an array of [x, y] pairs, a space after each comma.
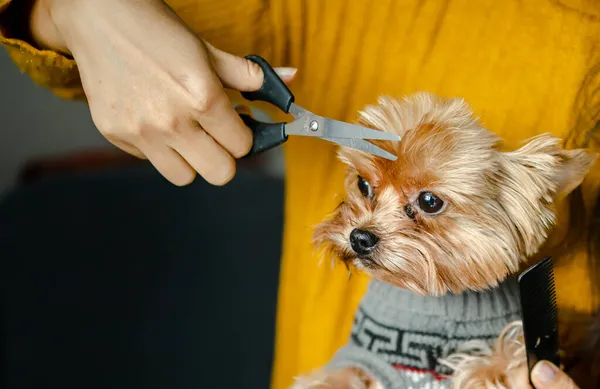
{"points": [[453, 212]]}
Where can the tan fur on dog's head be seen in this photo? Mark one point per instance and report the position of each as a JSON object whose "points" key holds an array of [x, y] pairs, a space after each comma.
{"points": [[454, 211]]}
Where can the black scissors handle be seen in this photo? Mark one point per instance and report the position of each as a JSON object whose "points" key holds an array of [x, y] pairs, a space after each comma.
{"points": [[273, 91]]}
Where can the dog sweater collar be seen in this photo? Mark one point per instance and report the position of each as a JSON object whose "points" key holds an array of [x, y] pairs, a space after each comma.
{"points": [[398, 336]]}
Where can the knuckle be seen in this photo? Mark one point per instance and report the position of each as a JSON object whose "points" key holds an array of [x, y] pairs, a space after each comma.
{"points": [[174, 123], [204, 102], [175, 126], [192, 83], [139, 130], [202, 93], [169, 126]]}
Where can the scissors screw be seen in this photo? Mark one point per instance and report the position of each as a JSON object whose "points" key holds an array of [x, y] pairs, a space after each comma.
{"points": [[314, 126]]}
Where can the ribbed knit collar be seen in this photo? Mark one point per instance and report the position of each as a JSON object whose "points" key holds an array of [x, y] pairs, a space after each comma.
{"points": [[493, 303]]}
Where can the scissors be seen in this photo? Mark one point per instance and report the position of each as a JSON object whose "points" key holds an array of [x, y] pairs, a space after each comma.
{"points": [[269, 135]]}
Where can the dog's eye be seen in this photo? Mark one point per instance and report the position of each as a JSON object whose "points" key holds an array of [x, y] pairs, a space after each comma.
{"points": [[364, 187], [430, 203]]}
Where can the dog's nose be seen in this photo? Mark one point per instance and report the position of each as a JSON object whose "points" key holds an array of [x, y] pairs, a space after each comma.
{"points": [[363, 242]]}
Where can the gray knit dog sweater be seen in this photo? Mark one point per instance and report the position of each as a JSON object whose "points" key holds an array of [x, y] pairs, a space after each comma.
{"points": [[398, 336]]}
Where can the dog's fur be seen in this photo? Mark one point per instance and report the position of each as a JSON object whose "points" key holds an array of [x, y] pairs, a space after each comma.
{"points": [[498, 208]]}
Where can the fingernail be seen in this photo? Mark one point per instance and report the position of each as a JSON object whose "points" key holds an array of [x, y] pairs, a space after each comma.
{"points": [[544, 372], [286, 72]]}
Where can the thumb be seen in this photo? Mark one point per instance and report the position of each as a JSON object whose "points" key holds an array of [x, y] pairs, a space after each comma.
{"points": [[545, 375], [242, 74]]}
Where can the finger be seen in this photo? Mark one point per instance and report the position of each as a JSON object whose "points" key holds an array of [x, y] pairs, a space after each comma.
{"points": [[545, 375], [205, 156], [171, 165], [236, 72], [226, 127], [242, 74]]}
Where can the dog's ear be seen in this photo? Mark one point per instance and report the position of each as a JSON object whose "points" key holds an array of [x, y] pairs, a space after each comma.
{"points": [[544, 168], [573, 169], [531, 178]]}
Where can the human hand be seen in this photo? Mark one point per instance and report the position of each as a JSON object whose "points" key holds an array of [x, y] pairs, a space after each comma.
{"points": [[545, 375], [154, 88]]}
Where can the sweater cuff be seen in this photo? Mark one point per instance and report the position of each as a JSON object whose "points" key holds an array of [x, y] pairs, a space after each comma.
{"points": [[47, 68]]}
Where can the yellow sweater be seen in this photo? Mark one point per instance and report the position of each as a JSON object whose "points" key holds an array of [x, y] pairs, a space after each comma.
{"points": [[526, 67]]}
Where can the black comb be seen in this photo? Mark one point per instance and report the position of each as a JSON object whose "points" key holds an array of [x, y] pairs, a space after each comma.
{"points": [[539, 313]]}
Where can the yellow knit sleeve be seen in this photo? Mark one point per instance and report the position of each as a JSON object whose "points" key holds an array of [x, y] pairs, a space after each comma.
{"points": [[46, 68], [237, 26]]}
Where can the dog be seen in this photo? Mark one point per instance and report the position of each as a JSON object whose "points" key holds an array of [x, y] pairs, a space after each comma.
{"points": [[442, 231]]}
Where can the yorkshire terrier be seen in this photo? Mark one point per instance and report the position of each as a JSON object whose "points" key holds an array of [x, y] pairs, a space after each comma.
{"points": [[442, 231]]}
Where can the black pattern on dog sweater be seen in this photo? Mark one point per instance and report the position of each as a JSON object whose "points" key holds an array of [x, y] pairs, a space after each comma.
{"points": [[398, 336]]}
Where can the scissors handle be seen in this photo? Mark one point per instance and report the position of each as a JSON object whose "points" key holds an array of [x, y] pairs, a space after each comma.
{"points": [[265, 135], [273, 89]]}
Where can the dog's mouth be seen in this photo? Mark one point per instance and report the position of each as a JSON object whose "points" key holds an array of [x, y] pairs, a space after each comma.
{"points": [[367, 261], [349, 257]]}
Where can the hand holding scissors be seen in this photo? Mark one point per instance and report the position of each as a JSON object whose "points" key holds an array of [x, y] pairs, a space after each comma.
{"points": [[306, 123]]}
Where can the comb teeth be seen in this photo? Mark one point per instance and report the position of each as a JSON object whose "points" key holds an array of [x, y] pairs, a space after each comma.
{"points": [[539, 313]]}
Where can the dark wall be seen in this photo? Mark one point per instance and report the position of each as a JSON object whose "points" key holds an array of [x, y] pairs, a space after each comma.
{"points": [[117, 279]]}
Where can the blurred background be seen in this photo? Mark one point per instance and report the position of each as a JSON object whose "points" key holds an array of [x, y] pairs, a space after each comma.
{"points": [[113, 278]]}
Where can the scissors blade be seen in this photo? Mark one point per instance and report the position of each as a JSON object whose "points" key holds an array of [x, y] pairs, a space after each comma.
{"points": [[309, 124], [363, 145], [337, 129]]}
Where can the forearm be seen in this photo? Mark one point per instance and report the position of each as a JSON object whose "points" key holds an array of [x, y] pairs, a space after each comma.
{"points": [[45, 37]]}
